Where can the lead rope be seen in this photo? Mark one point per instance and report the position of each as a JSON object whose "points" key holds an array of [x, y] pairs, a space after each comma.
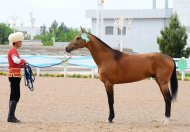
{"points": [[29, 76], [52, 64]]}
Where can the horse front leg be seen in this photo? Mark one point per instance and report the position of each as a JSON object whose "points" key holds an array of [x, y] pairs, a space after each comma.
{"points": [[110, 94]]}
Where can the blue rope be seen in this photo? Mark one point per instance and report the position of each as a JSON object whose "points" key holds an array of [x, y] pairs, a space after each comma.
{"points": [[52, 64], [28, 77]]}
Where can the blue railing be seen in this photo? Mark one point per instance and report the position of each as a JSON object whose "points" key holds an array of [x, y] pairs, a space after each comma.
{"points": [[41, 61], [78, 61]]}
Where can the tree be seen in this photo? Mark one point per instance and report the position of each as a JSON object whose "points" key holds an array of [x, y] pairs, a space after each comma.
{"points": [[4, 33], [45, 38], [43, 30], [61, 33], [173, 39], [63, 27]]}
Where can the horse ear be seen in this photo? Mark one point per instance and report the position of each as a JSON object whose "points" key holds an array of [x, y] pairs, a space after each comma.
{"points": [[83, 30]]}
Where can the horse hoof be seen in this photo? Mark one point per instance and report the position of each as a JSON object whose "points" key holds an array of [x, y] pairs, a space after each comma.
{"points": [[165, 121], [109, 121]]}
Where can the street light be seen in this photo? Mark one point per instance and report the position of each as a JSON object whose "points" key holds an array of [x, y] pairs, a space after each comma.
{"points": [[119, 23], [14, 19], [99, 26], [32, 20], [129, 23]]}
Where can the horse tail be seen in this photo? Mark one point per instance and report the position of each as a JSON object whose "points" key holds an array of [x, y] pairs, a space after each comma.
{"points": [[174, 83]]}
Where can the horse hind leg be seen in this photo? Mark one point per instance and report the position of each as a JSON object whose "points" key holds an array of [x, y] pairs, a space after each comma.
{"points": [[167, 98]]}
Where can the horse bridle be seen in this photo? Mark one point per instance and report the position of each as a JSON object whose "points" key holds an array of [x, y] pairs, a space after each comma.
{"points": [[77, 43]]}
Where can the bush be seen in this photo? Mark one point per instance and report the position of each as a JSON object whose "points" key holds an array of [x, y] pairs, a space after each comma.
{"points": [[70, 75]]}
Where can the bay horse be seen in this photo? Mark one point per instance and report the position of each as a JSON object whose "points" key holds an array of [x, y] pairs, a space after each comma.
{"points": [[115, 67]]}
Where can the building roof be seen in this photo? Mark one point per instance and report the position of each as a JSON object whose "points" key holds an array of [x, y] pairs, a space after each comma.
{"points": [[132, 13]]}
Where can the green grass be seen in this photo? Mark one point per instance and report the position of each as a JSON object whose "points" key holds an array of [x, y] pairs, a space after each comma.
{"points": [[187, 75], [58, 75]]}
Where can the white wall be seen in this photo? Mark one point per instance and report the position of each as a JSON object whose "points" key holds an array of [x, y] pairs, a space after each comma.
{"points": [[29, 30], [146, 27], [141, 37], [182, 7]]}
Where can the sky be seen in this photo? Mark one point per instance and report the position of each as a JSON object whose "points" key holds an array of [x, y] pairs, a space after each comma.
{"points": [[71, 12]]}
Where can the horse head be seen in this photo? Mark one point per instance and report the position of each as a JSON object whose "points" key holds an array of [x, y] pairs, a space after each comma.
{"points": [[79, 41]]}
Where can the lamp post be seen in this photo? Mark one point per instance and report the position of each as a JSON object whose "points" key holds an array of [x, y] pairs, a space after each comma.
{"points": [[14, 19], [99, 24], [119, 23], [32, 20]]}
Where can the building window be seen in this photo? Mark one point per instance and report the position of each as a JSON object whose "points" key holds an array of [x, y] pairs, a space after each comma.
{"points": [[109, 30], [123, 31]]}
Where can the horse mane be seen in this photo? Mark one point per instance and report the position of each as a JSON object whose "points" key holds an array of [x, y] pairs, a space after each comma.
{"points": [[117, 54], [102, 42]]}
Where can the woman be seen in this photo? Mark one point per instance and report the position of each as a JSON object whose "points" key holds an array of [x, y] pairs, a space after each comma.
{"points": [[15, 65]]}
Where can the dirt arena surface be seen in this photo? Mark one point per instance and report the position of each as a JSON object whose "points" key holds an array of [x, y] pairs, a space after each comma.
{"points": [[80, 105]]}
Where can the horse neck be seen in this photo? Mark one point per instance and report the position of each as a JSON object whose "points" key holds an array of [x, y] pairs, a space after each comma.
{"points": [[99, 51]]}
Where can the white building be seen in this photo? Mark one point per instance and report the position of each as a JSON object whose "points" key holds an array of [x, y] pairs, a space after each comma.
{"points": [[141, 37], [146, 25], [182, 7], [31, 31]]}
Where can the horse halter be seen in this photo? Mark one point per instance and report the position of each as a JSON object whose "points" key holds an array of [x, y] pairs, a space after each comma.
{"points": [[77, 43], [84, 37]]}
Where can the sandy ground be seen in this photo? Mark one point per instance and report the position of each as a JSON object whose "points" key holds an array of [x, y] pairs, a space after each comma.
{"points": [[80, 105]]}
